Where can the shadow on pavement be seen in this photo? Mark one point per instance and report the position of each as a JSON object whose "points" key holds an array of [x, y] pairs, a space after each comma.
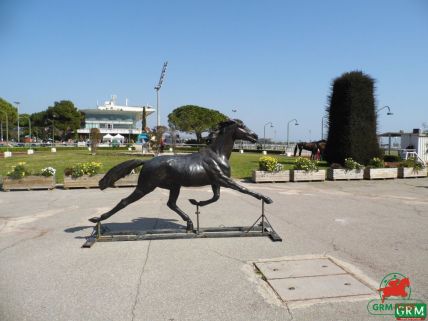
{"points": [[140, 224]]}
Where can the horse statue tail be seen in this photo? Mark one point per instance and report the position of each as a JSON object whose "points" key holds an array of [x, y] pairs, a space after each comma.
{"points": [[119, 171], [295, 150]]}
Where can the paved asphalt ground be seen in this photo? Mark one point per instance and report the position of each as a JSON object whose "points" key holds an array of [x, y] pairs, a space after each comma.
{"points": [[377, 227]]}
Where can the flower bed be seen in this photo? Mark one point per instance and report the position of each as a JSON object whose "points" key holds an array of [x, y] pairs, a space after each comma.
{"points": [[306, 170], [377, 170], [353, 170], [30, 182], [270, 171], [412, 167], [21, 178]]}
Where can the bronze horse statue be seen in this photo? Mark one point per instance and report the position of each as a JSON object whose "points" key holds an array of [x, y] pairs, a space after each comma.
{"points": [[209, 166], [312, 147]]}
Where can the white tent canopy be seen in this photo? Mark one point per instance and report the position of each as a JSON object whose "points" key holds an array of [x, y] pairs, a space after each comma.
{"points": [[107, 137], [118, 137]]}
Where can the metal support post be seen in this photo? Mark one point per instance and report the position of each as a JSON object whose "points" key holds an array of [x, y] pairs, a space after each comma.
{"points": [[197, 219]]}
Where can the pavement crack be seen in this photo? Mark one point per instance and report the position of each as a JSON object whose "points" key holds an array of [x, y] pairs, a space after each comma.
{"points": [[289, 311], [226, 256], [40, 234], [140, 280]]}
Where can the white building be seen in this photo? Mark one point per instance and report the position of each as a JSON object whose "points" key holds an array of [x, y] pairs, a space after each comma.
{"points": [[114, 119], [416, 140]]}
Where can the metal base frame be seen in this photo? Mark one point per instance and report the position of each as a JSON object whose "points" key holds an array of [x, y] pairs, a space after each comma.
{"points": [[261, 227]]}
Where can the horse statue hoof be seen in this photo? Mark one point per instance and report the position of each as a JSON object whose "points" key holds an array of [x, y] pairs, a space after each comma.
{"points": [[194, 202], [94, 220], [189, 228]]}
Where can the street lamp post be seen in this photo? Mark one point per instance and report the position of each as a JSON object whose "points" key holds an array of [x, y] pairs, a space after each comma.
{"points": [[53, 129], [322, 127], [389, 113], [29, 124], [288, 129], [17, 103], [264, 133]]}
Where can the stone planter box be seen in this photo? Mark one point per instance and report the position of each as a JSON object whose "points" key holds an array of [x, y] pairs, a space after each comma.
{"points": [[408, 172], [380, 173], [92, 181], [28, 183], [303, 176], [334, 174], [263, 176]]}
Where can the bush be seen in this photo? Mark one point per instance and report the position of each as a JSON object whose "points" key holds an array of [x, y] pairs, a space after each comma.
{"points": [[19, 171], [352, 119], [376, 163], [412, 163], [269, 164], [306, 164], [350, 164], [80, 169]]}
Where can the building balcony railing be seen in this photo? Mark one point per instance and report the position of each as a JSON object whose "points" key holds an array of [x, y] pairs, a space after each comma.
{"points": [[134, 131]]}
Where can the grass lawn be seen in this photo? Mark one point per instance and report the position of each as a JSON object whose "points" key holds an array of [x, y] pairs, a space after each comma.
{"points": [[242, 164]]}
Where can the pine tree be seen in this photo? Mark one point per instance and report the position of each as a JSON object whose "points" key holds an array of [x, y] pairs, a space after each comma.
{"points": [[352, 119]]}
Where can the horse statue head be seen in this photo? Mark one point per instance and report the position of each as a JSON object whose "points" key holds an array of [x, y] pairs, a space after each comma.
{"points": [[238, 130]]}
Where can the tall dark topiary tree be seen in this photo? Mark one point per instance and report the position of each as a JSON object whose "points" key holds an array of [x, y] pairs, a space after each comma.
{"points": [[352, 119]]}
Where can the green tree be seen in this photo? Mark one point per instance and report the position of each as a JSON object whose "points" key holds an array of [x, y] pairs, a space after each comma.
{"points": [[12, 113], [195, 119], [39, 125], [66, 116], [352, 119]]}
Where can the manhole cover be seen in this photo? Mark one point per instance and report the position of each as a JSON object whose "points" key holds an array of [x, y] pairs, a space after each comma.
{"points": [[311, 279], [298, 268]]}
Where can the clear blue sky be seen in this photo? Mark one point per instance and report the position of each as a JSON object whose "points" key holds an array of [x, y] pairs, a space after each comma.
{"points": [[271, 60]]}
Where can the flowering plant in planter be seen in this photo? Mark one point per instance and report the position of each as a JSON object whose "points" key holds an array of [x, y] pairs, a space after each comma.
{"points": [[350, 164], [80, 169], [412, 163], [47, 171], [376, 163], [306, 165], [269, 164], [19, 171]]}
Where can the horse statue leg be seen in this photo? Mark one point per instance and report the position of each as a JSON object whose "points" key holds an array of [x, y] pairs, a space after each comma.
{"points": [[216, 196], [135, 196], [172, 204], [230, 183]]}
